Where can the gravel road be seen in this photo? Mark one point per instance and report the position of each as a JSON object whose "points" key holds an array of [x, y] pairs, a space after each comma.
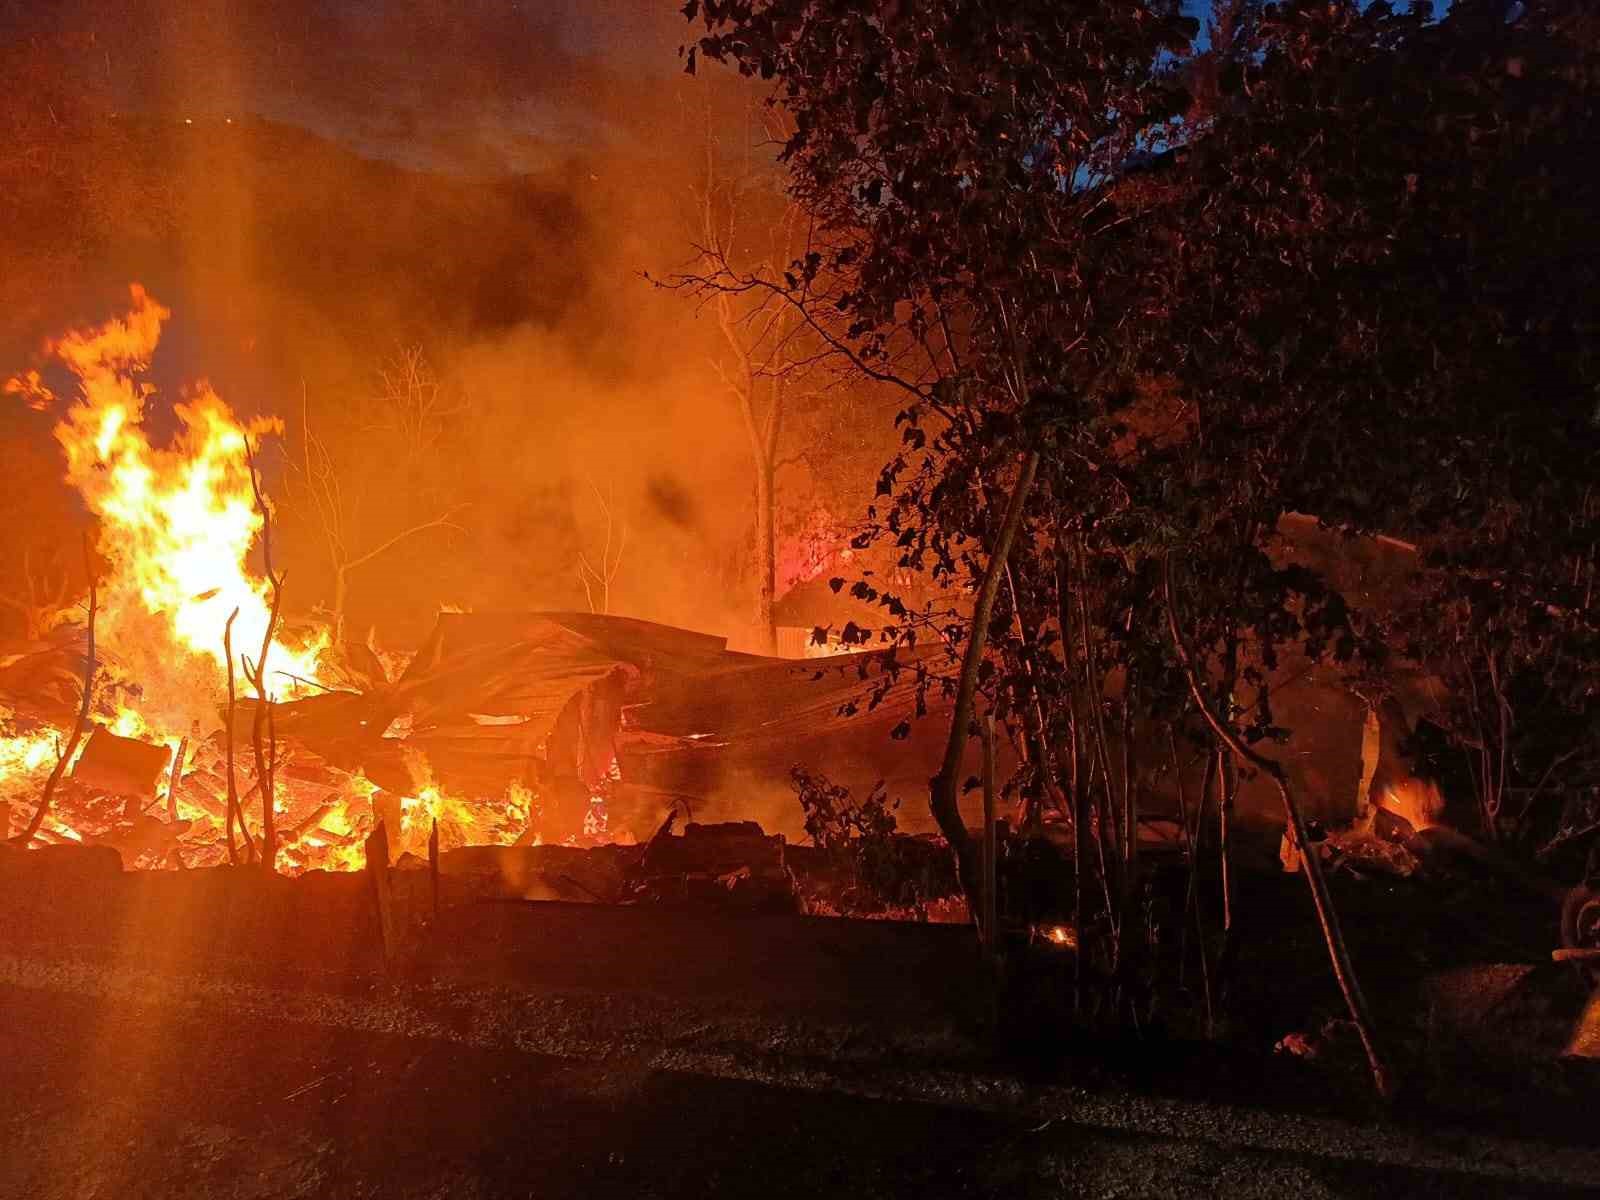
{"points": [[117, 1082]]}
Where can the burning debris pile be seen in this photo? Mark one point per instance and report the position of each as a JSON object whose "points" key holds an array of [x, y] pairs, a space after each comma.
{"points": [[175, 600], [211, 728]]}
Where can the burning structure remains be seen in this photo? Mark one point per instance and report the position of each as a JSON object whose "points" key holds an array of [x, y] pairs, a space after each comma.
{"points": [[206, 711], [503, 729]]}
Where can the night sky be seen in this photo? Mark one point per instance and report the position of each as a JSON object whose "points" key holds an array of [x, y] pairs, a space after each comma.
{"points": [[453, 84], [468, 85]]}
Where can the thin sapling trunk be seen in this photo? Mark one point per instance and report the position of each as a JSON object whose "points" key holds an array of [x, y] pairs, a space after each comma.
{"points": [[1338, 952], [943, 787]]}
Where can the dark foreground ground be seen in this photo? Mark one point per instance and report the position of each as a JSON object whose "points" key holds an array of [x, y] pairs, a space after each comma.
{"points": [[170, 1036], [105, 1096]]}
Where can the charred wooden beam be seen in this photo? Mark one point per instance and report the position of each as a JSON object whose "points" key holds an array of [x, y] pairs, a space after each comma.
{"points": [[991, 907], [386, 812]]}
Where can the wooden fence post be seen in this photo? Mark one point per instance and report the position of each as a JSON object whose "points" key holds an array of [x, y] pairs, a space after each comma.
{"points": [[377, 850], [991, 907], [433, 867]]}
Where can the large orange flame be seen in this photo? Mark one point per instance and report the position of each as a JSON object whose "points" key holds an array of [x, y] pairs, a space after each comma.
{"points": [[176, 524]]}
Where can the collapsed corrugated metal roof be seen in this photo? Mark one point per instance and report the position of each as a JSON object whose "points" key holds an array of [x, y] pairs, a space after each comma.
{"points": [[496, 698]]}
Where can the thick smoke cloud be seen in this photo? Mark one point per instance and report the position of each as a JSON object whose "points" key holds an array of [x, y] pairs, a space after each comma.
{"points": [[310, 187]]}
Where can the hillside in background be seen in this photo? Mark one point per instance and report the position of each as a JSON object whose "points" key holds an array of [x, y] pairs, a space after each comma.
{"points": [[294, 267]]}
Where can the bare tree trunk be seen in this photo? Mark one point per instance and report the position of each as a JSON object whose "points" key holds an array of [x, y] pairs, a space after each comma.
{"points": [[341, 593], [235, 814], [991, 905], [1191, 898], [265, 755], [1035, 741], [1077, 785], [1343, 969], [1228, 786], [766, 550], [264, 743], [1130, 795], [942, 788], [1107, 828]]}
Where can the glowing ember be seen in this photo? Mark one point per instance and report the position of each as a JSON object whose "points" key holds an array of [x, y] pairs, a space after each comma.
{"points": [[25, 759], [332, 837], [458, 818], [1417, 800]]}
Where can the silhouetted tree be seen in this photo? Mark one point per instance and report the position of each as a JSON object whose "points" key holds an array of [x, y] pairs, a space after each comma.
{"points": [[378, 455]]}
